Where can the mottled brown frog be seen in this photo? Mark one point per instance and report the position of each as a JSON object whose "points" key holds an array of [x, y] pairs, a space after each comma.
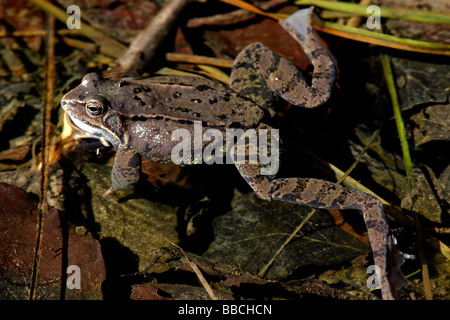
{"points": [[139, 117]]}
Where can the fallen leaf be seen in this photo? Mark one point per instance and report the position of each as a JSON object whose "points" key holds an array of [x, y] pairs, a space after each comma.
{"points": [[432, 124], [60, 248], [421, 82], [250, 234]]}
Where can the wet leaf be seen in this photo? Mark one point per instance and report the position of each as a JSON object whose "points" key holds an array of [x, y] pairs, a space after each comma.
{"points": [[135, 223], [434, 194], [431, 124], [173, 291], [61, 247], [253, 231], [233, 283], [421, 82], [267, 31]]}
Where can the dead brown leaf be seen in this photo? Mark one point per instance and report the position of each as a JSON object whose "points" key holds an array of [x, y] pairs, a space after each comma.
{"points": [[431, 124], [61, 247]]}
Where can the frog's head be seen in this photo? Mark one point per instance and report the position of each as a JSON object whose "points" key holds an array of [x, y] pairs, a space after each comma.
{"points": [[89, 108]]}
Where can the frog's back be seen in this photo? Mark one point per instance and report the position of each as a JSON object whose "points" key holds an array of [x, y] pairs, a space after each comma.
{"points": [[182, 97]]}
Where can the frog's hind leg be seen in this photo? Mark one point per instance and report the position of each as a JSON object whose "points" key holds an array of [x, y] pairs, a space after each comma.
{"points": [[327, 195], [258, 68]]}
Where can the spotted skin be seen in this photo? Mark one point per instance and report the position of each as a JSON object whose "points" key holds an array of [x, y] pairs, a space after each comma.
{"points": [[252, 78]]}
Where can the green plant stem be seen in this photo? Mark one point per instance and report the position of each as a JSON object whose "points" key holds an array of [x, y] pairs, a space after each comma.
{"points": [[385, 12], [386, 62], [408, 167]]}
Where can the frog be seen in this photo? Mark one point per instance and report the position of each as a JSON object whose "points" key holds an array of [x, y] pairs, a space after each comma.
{"points": [[139, 116]]}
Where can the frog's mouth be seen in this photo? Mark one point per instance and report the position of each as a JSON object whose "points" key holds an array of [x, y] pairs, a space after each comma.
{"points": [[83, 126], [104, 136]]}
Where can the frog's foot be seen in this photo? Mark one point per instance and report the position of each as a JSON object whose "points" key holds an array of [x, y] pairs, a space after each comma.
{"points": [[126, 170], [327, 195]]}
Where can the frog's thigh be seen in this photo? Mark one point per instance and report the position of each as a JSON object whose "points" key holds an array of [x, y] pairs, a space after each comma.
{"points": [[126, 170]]}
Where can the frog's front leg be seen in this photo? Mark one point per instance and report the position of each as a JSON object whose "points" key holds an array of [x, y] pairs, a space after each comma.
{"points": [[126, 170], [327, 195]]}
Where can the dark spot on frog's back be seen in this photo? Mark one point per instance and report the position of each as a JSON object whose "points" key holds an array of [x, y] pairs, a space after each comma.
{"points": [[177, 95], [196, 100], [139, 118], [203, 88], [137, 90], [242, 64], [235, 124], [226, 97], [81, 97], [183, 121], [212, 101]]}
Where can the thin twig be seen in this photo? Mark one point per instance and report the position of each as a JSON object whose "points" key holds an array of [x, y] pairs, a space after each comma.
{"points": [[144, 46], [46, 131]]}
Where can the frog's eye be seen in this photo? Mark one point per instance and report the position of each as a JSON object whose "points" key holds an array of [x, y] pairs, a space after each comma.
{"points": [[95, 106]]}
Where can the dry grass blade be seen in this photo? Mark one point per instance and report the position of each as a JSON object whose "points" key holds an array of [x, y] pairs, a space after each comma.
{"points": [[251, 8], [189, 58], [198, 273], [263, 271], [35, 33]]}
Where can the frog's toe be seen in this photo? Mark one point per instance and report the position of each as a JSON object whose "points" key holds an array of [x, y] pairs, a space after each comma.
{"points": [[108, 192]]}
